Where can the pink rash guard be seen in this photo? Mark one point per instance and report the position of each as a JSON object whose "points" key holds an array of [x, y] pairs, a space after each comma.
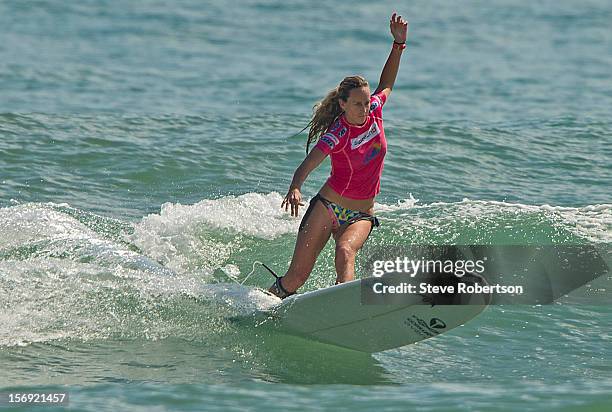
{"points": [[357, 153]]}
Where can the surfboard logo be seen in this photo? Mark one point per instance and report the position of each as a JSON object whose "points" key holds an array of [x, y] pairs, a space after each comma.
{"points": [[437, 323], [423, 328]]}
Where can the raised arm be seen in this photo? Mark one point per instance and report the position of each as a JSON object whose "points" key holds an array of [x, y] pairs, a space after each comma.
{"points": [[399, 31]]}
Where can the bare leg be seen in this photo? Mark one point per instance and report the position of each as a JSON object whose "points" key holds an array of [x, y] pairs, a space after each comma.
{"points": [[310, 241], [348, 241]]}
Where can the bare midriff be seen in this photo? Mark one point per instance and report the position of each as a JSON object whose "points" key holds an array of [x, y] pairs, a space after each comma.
{"points": [[363, 205]]}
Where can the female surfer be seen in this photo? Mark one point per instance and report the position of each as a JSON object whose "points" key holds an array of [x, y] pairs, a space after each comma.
{"points": [[348, 126]]}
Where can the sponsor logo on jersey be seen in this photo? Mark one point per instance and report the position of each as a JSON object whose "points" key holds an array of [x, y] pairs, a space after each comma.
{"points": [[343, 131], [365, 137], [332, 137], [374, 105], [329, 139], [372, 154], [335, 126]]}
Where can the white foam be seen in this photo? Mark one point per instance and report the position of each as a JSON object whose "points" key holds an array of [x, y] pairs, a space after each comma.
{"points": [[590, 222], [177, 236], [243, 300], [48, 294], [402, 204], [54, 298], [31, 222], [253, 214]]}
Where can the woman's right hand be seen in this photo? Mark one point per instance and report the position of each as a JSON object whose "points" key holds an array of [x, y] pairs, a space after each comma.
{"points": [[293, 198]]}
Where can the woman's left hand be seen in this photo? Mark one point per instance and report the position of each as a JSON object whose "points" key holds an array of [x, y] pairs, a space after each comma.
{"points": [[399, 28]]}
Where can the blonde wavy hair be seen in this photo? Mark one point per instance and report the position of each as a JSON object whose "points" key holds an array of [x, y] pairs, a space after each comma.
{"points": [[326, 111]]}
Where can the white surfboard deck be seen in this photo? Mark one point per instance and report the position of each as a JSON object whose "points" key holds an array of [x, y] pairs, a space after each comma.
{"points": [[336, 315]]}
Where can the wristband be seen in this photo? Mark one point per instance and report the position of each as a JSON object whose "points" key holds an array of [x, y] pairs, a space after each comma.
{"points": [[399, 46]]}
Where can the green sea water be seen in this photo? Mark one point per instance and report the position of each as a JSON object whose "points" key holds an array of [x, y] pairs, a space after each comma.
{"points": [[145, 148]]}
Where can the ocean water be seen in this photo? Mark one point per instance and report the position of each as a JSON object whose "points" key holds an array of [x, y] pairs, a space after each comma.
{"points": [[145, 148]]}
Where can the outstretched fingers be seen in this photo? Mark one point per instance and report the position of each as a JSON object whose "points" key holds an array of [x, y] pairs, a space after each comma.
{"points": [[396, 18], [399, 28], [295, 203]]}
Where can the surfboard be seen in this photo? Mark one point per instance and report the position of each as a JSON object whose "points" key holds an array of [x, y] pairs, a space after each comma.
{"points": [[346, 315], [337, 315]]}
